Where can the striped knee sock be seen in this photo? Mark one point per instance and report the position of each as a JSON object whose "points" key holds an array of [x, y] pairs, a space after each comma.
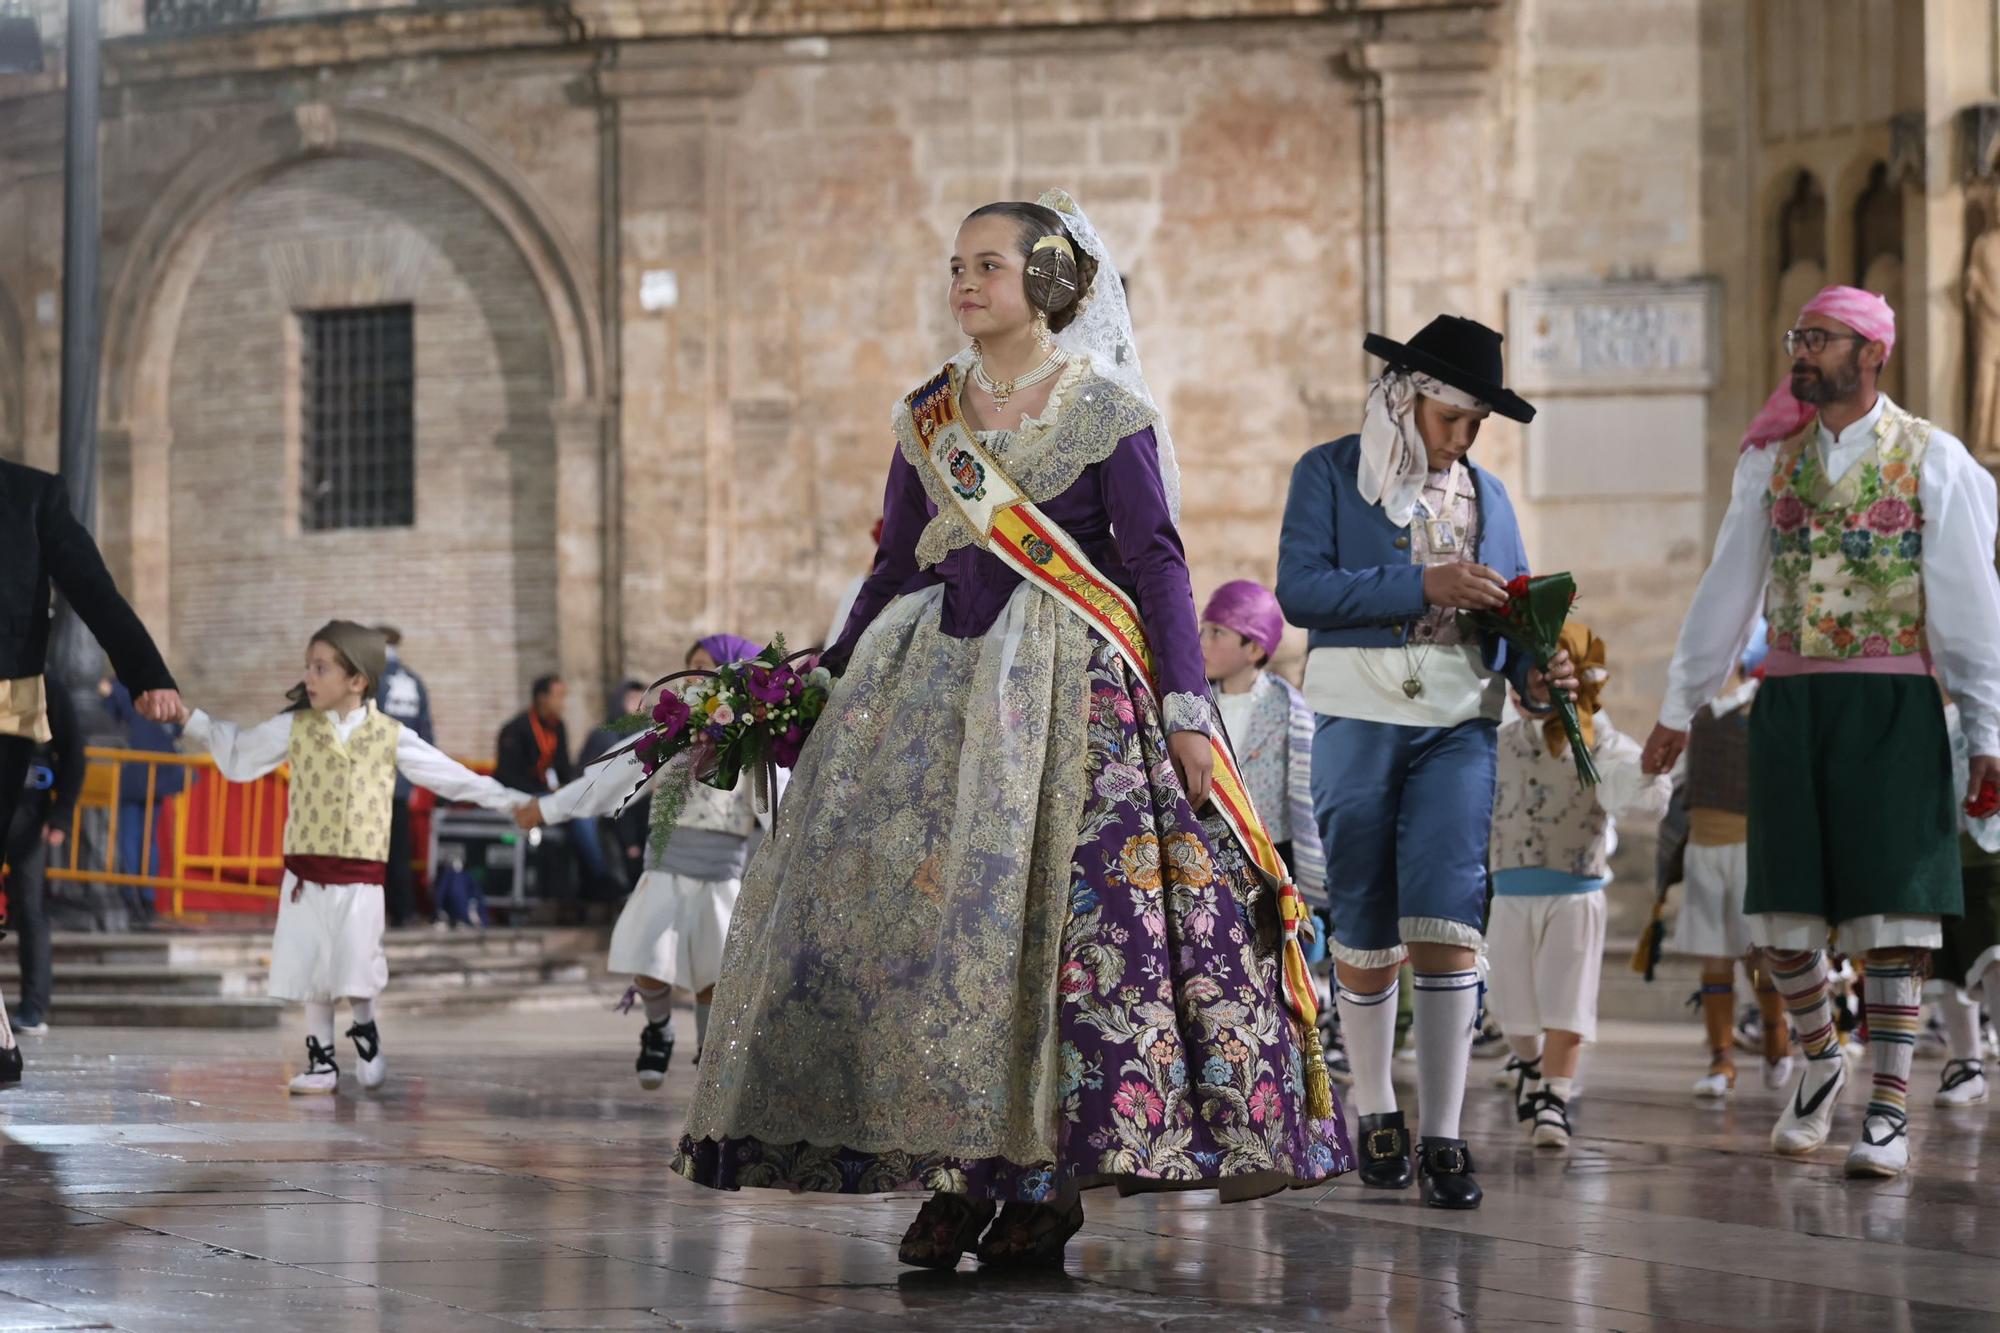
{"points": [[1894, 987], [1802, 979]]}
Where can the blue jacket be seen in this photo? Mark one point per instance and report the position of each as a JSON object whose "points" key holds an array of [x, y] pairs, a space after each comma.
{"points": [[401, 694], [1344, 570]]}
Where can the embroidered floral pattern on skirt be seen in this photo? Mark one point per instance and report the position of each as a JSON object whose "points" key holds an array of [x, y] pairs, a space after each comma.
{"points": [[1176, 1064]]}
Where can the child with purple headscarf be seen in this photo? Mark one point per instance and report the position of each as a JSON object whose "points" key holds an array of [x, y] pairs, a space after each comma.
{"points": [[674, 925], [1269, 724]]}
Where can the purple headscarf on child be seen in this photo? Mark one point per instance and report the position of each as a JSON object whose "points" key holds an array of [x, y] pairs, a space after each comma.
{"points": [[727, 648], [1251, 609]]}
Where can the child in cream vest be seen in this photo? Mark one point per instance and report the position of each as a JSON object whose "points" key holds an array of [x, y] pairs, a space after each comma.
{"points": [[344, 756], [1552, 840]]}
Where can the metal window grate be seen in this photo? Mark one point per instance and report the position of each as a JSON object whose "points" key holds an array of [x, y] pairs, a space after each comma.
{"points": [[357, 384]]}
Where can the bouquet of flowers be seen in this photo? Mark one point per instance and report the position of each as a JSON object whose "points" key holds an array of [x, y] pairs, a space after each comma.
{"points": [[752, 715], [1532, 620]]}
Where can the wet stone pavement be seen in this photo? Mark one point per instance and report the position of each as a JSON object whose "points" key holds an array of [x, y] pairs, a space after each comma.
{"points": [[512, 1175]]}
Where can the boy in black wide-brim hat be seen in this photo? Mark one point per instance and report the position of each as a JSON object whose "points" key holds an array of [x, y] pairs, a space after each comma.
{"points": [[1388, 535]]}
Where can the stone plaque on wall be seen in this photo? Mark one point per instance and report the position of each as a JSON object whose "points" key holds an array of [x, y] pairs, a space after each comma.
{"points": [[1620, 374], [1613, 337]]}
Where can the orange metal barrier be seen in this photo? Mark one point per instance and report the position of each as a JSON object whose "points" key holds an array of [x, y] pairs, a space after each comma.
{"points": [[216, 845], [219, 841]]}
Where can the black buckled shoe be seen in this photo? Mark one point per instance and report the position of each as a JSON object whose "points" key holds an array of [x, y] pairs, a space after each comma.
{"points": [[1446, 1168], [1384, 1141]]}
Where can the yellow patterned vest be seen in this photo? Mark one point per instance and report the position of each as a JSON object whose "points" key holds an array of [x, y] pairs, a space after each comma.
{"points": [[341, 794], [1847, 553]]}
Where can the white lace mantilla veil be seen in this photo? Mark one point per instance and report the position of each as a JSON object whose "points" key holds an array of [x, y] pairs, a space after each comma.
{"points": [[1102, 331]]}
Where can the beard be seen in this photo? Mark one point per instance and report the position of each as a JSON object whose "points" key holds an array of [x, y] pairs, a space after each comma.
{"points": [[1817, 388]]}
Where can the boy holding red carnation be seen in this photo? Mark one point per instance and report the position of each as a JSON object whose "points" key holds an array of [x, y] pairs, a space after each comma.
{"points": [[1388, 536]]}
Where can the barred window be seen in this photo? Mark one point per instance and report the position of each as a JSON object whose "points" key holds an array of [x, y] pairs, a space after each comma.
{"points": [[357, 383]]}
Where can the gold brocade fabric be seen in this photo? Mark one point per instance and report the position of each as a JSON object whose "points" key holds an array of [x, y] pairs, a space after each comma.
{"points": [[342, 795], [24, 710], [1044, 459], [889, 981]]}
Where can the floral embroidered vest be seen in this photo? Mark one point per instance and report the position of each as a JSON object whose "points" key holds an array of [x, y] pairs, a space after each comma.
{"points": [[1847, 554], [1542, 816], [341, 794]]}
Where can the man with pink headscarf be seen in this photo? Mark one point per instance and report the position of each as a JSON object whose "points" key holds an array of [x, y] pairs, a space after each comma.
{"points": [[1867, 535]]}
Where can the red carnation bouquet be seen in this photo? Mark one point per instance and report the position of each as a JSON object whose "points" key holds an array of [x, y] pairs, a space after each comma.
{"points": [[752, 715], [1532, 620]]}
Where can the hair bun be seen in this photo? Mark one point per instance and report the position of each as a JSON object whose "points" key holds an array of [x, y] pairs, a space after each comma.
{"points": [[1051, 276]]}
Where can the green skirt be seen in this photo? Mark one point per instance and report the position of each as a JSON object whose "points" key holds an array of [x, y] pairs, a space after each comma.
{"points": [[1851, 810]]}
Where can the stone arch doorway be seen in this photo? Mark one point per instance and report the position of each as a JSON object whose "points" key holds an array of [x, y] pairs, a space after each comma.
{"points": [[341, 207]]}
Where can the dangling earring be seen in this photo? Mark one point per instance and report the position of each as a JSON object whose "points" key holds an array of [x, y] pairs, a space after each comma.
{"points": [[1044, 339], [977, 350]]}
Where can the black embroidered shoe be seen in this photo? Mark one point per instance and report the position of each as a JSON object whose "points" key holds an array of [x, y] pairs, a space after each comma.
{"points": [[1446, 1168], [1384, 1141], [322, 1074], [656, 1052]]}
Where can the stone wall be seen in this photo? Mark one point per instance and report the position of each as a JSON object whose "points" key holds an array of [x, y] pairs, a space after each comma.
{"points": [[1224, 176], [731, 224], [472, 582]]}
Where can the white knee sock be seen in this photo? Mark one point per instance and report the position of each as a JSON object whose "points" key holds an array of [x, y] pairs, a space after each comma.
{"points": [[1368, 1027], [659, 1004], [1445, 1007], [1960, 1017], [363, 1011], [319, 1022]]}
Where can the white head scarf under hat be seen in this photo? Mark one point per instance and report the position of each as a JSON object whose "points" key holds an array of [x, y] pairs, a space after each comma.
{"points": [[1393, 462]]}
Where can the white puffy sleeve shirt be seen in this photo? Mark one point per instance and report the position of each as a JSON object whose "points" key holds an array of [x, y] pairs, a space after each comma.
{"points": [[1961, 590]]}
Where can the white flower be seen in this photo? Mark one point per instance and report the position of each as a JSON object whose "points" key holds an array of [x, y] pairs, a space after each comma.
{"points": [[819, 678]]}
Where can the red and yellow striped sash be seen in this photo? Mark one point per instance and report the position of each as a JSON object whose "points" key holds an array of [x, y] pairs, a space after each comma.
{"points": [[1009, 525]]}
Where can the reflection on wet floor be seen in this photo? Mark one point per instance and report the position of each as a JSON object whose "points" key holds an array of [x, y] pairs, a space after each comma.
{"points": [[512, 1175]]}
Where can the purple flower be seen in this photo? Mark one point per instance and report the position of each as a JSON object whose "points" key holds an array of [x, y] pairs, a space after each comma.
{"points": [[1875, 645], [772, 685], [786, 746], [671, 714]]}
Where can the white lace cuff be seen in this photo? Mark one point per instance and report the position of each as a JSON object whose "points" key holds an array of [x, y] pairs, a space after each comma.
{"points": [[1185, 712]]}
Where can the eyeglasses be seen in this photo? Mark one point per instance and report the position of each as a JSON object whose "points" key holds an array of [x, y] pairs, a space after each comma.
{"points": [[1814, 341]]}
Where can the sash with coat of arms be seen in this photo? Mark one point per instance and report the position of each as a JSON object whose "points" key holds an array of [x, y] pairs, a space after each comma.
{"points": [[1011, 526]]}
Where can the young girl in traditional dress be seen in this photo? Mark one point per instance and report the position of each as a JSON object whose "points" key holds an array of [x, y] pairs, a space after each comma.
{"points": [[997, 953], [673, 927], [1551, 861], [1269, 723], [345, 755]]}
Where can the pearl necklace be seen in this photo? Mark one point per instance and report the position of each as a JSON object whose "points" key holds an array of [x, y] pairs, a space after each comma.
{"points": [[1005, 389]]}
